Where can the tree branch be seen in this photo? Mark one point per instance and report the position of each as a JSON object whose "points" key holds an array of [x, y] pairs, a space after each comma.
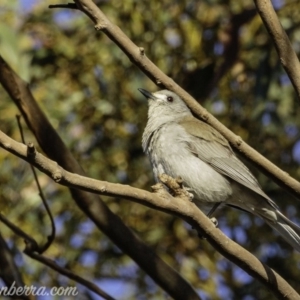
{"points": [[284, 48], [163, 201], [54, 266], [138, 57], [166, 277], [9, 272], [51, 237], [33, 250]]}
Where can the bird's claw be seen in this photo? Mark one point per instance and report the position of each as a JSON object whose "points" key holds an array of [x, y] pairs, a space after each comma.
{"points": [[214, 221]]}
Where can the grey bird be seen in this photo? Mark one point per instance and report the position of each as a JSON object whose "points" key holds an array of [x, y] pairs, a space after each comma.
{"points": [[178, 144]]}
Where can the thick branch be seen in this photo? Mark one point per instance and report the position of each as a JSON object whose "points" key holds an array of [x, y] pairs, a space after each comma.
{"points": [[9, 272], [138, 57], [162, 201], [90, 204], [286, 53]]}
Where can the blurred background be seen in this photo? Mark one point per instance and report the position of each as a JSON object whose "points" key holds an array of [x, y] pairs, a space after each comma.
{"points": [[220, 52]]}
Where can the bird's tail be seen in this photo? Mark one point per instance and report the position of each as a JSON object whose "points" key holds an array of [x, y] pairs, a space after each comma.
{"points": [[287, 229]]}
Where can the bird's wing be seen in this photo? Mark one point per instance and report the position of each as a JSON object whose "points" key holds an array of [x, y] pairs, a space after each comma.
{"points": [[211, 147]]}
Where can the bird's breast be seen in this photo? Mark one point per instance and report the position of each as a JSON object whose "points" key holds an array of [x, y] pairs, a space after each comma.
{"points": [[170, 154]]}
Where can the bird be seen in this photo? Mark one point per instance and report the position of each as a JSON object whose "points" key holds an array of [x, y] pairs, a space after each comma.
{"points": [[180, 145]]}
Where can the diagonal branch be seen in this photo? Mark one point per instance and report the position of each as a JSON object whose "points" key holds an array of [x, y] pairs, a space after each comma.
{"points": [[284, 48], [51, 237], [163, 201], [138, 57], [9, 271], [64, 271], [48, 139], [34, 251]]}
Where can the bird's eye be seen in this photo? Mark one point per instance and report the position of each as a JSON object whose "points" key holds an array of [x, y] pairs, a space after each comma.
{"points": [[170, 99]]}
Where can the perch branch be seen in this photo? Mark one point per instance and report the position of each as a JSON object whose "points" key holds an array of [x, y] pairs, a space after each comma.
{"points": [[284, 48], [138, 56], [166, 277], [163, 201]]}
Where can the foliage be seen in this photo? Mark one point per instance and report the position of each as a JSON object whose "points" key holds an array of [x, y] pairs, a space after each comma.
{"points": [[88, 89]]}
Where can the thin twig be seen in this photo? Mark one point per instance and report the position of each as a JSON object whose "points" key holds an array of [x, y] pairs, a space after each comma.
{"points": [[54, 266], [10, 274], [51, 237], [284, 48], [162, 201], [19, 232], [68, 5], [139, 58], [98, 212], [32, 247]]}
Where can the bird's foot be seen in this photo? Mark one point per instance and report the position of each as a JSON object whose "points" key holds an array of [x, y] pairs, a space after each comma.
{"points": [[214, 221], [175, 186], [189, 192]]}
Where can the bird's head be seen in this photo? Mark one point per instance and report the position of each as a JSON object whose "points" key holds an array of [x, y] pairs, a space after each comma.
{"points": [[165, 104]]}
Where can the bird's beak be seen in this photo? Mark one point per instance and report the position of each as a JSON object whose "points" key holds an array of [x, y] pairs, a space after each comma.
{"points": [[147, 94]]}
